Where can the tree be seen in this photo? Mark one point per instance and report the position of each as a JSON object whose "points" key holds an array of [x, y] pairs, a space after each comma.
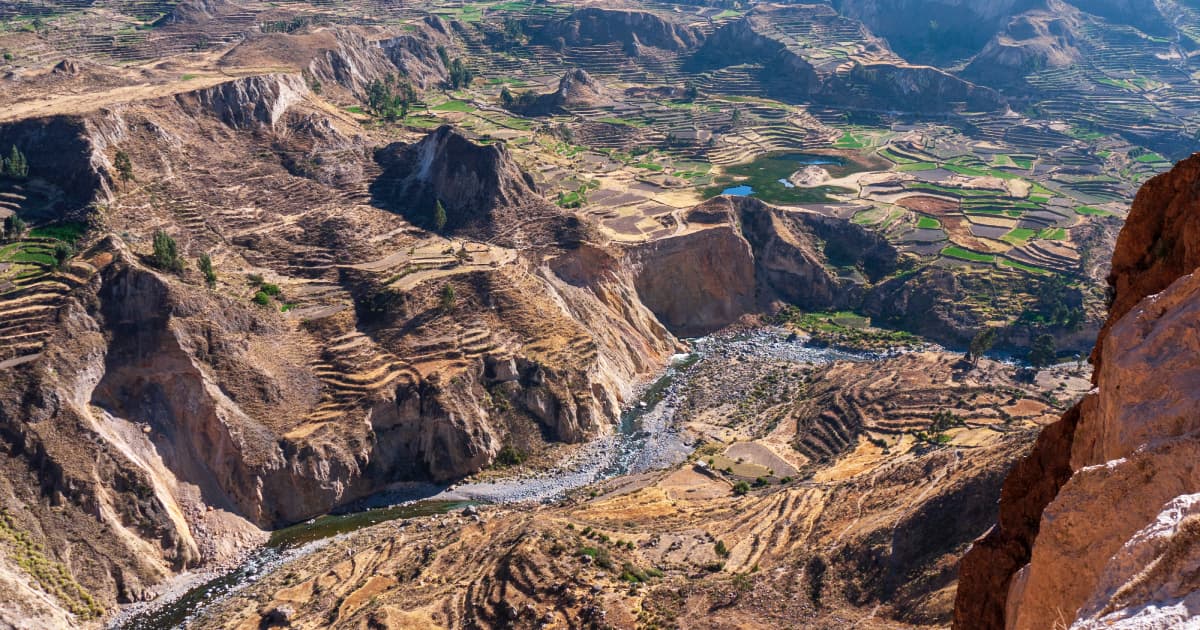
{"points": [[439, 217], [741, 488], [447, 297], [62, 253], [980, 344], [389, 99], [124, 166], [166, 253], [690, 92], [460, 74], [1043, 353], [206, 268], [14, 226], [15, 165]]}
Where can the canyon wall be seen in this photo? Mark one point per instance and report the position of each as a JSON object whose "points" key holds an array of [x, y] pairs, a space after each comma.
{"points": [[1097, 525]]}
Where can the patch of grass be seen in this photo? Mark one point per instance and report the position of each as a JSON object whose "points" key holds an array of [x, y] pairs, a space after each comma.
{"points": [[1090, 211], [851, 141], [916, 166], [1053, 234], [763, 175], [928, 223], [1019, 236], [454, 106], [355, 109], [51, 576], [1005, 262], [68, 231], [188, 77], [966, 254]]}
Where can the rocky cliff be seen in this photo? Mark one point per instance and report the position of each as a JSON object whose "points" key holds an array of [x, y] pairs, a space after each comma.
{"points": [[576, 89], [1096, 526], [165, 420], [743, 256], [481, 189], [630, 28]]}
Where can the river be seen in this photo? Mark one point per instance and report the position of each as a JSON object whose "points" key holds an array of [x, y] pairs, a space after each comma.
{"points": [[649, 438]]}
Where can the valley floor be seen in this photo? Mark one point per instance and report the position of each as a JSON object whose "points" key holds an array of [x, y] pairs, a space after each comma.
{"points": [[717, 507]]}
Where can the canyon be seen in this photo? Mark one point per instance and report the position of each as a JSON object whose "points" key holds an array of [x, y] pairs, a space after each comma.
{"points": [[530, 314]]}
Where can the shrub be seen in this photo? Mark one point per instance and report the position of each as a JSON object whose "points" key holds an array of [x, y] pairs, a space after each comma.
{"points": [[270, 289], [446, 301], [721, 549], [166, 253], [62, 253], [740, 488], [206, 268], [510, 456], [439, 217], [124, 166], [14, 226], [262, 299], [15, 165]]}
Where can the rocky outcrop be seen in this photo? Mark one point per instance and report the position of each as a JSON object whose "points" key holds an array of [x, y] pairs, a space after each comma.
{"points": [[64, 151], [750, 257], [784, 74], [1030, 42], [248, 102], [1095, 526], [478, 185], [698, 282], [576, 89], [630, 28]]}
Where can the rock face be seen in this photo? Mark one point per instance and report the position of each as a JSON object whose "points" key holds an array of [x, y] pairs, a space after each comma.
{"points": [[1096, 526], [748, 257], [632, 29], [249, 102], [478, 185]]}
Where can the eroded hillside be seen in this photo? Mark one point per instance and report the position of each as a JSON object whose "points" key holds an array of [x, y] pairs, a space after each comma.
{"points": [[277, 259]]}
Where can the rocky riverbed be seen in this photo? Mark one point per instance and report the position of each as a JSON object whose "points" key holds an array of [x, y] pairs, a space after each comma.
{"points": [[649, 438]]}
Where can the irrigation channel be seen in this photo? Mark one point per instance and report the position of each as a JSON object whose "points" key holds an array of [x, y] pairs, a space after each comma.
{"points": [[648, 439]]}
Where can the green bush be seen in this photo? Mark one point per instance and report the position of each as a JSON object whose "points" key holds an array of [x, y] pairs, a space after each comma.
{"points": [[270, 289], [510, 456], [62, 253], [206, 268], [262, 299], [166, 253], [740, 488]]}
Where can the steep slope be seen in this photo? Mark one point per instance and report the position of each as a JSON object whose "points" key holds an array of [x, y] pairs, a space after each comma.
{"points": [[870, 77], [744, 256], [159, 421], [576, 89], [631, 29], [481, 189], [1094, 526]]}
